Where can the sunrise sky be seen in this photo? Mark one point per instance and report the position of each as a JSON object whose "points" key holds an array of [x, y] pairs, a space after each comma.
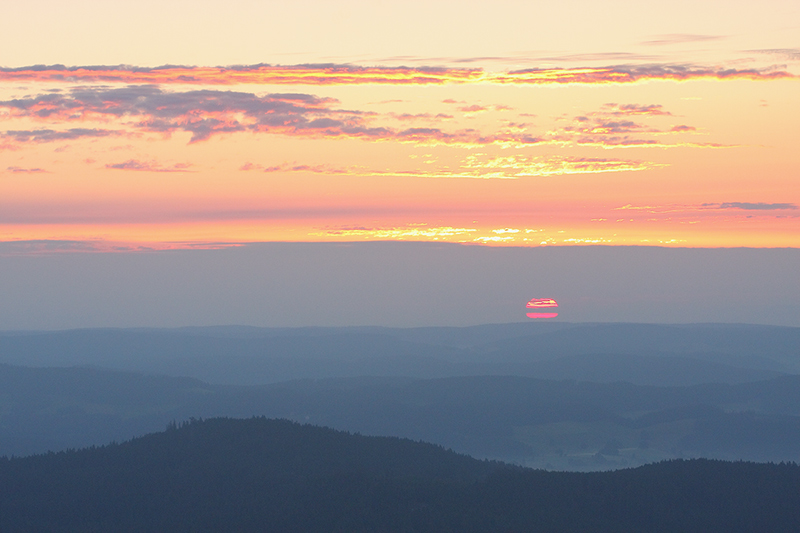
{"points": [[185, 163], [521, 124]]}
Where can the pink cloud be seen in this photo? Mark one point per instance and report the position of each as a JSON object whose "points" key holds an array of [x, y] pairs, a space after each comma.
{"points": [[354, 75], [148, 166], [20, 170]]}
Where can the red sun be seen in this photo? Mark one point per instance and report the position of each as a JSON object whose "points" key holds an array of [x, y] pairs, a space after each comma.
{"points": [[537, 307]]}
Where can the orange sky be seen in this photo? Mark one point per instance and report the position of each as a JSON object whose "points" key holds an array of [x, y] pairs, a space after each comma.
{"points": [[666, 133]]}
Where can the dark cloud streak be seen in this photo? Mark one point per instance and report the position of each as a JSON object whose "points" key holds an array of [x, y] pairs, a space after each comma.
{"points": [[148, 166], [787, 54], [754, 206], [48, 135], [20, 170]]}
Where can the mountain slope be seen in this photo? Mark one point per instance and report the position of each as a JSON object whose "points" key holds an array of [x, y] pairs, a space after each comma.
{"points": [[258, 474], [563, 425]]}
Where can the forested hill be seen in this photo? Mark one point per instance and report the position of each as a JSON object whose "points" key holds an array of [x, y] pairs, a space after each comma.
{"points": [[273, 475], [557, 425]]}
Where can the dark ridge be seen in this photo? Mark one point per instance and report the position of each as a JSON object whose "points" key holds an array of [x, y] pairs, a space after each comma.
{"points": [[557, 425], [275, 475]]}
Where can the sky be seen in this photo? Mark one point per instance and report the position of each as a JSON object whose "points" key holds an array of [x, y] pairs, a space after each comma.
{"points": [[129, 129]]}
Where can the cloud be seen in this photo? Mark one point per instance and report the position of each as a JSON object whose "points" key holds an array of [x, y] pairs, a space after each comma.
{"points": [[330, 74], [610, 128], [314, 74], [595, 57], [420, 116], [634, 109], [206, 113], [632, 74], [609, 134], [203, 113], [20, 170], [48, 135], [414, 231], [681, 38], [710, 207], [786, 54], [479, 166], [316, 169], [149, 166], [523, 58], [601, 126], [474, 108], [758, 206], [521, 166], [477, 108], [45, 246]]}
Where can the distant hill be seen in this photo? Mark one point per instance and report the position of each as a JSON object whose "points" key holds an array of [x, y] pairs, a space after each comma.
{"points": [[645, 354], [274, 475], [564, 425], [740, 345]]}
